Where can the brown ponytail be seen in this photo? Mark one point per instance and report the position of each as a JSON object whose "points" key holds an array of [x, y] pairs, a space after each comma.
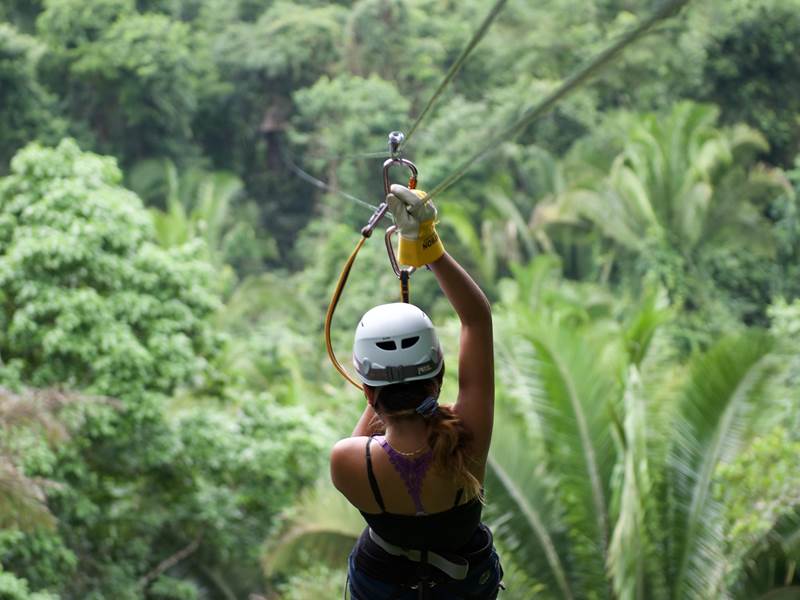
{"points": [[448, 438]]}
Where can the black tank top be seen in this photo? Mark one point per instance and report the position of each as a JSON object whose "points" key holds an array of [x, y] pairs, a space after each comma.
{"points": [[449, 530]]}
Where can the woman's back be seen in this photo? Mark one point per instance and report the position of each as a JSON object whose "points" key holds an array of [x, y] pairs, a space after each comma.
{"points": [[437, 491]]}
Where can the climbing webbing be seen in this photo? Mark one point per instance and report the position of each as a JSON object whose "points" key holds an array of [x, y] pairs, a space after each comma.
{"points": [[456, 66], [594, 66]]}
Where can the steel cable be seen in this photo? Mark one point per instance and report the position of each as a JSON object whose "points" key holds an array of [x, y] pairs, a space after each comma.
{"points": [[319, 184], [668, 9], [456, 66]]}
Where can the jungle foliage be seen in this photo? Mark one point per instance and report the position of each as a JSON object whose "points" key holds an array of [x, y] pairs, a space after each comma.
{"points": [[166, 405]]}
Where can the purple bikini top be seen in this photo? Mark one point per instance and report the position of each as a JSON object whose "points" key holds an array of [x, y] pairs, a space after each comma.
{"points": [[411, 470]]}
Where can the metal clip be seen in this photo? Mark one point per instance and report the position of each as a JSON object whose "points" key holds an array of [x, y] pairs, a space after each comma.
{"points": [[403, 274], [395, 139], [389, 163]]}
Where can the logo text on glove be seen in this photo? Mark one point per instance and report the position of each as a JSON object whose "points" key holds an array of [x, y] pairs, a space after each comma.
{"points": [[430, 241]]}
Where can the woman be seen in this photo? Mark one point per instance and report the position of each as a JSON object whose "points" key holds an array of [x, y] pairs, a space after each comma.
{"points": [[419, 484]]}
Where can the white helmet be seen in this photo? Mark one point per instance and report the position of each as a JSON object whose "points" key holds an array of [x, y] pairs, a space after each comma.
{"points": [[396, 343]]}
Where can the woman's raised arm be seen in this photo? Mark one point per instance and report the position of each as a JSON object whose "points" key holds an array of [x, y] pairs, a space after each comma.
{"points": [[475, 405]]}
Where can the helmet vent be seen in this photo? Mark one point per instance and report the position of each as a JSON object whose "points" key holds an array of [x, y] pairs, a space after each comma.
{"points": [[409, 341], [389, 345]]}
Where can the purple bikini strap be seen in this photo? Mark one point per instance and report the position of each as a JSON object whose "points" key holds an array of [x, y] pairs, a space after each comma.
{"points": [[411, 470]]}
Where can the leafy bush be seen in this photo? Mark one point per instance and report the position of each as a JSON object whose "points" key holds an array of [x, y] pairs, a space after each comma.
{"points": [[90, 302]]}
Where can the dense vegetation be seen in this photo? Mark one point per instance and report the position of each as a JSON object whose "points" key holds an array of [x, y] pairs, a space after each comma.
{"points": [[166, 405]]}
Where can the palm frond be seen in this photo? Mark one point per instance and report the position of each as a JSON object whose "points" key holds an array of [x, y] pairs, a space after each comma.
{"points": [[772, 571], [506, 207], [641, 327], [522, 506], [519, 389], [519, 582], [691, 210], [724, 389], [470, 238], [172, 228], [149, 179], [323, 525], [212, 205], [633, 564], [576, 428], [23, 503], [746, 139]]}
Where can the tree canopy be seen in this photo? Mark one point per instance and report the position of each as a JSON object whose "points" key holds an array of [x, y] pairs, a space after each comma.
{"points": [[182, 180]]}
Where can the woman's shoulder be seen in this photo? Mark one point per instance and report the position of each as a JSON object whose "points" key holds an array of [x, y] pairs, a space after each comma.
{"points": [[347, 455], [349, 445]]}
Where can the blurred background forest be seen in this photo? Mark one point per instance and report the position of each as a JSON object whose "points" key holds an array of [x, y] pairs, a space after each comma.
{"points": [[166, 405]]}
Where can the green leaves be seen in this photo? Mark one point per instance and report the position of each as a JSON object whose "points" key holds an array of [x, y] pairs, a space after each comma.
{"points": [[287, 43], [607, 482], [632, 554], [322, 522], [576, 431], [90, 301], [135, 81], [27, 109], [749, 73], [523, 508], [725, 390], [630, 461]]}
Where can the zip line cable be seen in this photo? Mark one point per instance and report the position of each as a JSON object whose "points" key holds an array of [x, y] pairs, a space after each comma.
{"points": [[668, 9], [456, 66], [451, 73], [380, 154], [319, 184]]}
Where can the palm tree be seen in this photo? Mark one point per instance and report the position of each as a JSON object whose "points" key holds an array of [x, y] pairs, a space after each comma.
{"points": [[197, 204], [614, 496], [673, 181]]}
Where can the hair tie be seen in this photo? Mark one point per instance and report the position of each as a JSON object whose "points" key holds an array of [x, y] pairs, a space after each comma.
{"points": [[428, 407]]}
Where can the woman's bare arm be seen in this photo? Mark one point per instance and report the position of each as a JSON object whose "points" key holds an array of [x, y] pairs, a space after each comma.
{"points": [[368, 424], [475, 405]]}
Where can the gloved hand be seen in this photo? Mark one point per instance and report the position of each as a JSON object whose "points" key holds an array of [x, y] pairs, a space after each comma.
{"points": [[419, 243]]}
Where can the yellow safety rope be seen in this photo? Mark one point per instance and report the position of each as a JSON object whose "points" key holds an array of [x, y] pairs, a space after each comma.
{"points": [[337, 293]]}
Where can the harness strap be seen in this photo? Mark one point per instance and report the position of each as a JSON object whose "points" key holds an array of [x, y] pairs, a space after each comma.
{"points": [[455, 567], [373, 483]]}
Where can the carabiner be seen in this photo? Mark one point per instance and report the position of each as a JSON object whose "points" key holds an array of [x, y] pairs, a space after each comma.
{"points": [[403, 274], [395, 139], [389, 163]]}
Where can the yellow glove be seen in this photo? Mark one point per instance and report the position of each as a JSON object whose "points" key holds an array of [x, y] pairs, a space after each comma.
{"points": [[419, 243]]}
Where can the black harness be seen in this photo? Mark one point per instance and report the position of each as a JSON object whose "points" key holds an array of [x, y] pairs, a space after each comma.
{"points": [[421, 574], [419, 569]]}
